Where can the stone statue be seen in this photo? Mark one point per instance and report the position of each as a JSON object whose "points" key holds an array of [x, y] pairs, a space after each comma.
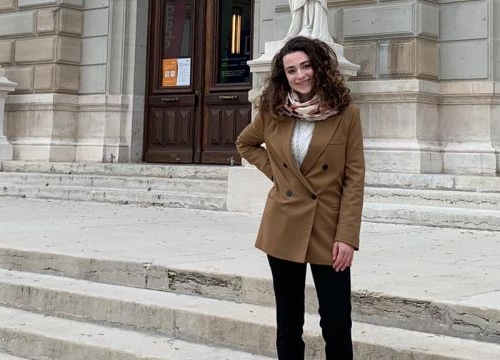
{"points": [[309, 18]]}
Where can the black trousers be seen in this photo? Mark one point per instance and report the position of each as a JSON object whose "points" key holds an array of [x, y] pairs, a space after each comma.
{"points": [[334, 297]]}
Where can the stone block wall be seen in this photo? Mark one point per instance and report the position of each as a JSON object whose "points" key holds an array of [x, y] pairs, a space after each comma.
{"points": [[40, 45], [72, 60]]}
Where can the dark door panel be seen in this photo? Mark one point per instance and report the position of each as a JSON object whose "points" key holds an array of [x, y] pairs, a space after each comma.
{"points": [[227, 116], [198, 80], [170, 128]]}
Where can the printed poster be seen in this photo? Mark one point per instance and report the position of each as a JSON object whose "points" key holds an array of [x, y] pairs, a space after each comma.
{"points": [[176, 72]]}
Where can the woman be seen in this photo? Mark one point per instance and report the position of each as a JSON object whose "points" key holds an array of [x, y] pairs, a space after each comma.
{"points": [[314, 156]]}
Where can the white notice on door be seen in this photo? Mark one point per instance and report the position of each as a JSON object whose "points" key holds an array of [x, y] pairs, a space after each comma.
{"points": [[184, 72]]}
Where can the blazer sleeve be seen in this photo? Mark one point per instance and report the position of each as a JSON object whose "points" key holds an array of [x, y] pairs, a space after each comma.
{"points": [[249, 145], [351, 205]]}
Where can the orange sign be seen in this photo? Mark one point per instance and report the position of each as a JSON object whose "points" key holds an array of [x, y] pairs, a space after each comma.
{"points": [[170, 72]]}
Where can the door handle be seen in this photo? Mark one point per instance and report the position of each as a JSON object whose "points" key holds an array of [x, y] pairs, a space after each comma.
{"points": [[228, 97], [170, 99]]}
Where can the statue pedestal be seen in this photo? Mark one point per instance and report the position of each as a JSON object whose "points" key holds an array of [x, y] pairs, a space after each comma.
{"points": [[6, 150]]}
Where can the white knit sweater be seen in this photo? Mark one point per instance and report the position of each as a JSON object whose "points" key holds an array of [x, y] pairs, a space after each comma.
{"points": [[302, 135]]}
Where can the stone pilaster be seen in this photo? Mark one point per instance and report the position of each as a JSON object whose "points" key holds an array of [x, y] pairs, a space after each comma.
{"points": [[469, 127], [6, 150]]}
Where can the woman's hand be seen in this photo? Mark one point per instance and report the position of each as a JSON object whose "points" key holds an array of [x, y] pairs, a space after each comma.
{"points": [[342, 255]]}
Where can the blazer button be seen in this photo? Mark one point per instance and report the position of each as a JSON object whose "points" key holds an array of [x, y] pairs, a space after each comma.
{"points": [[289, 193], [285, 165], [313, 196], [325, 167]]}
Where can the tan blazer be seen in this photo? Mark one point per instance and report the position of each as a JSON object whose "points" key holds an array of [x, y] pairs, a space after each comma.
{"points": [[309, 208]]}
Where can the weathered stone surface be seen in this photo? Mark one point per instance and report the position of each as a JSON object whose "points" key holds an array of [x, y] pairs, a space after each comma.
{"points": [[94, 50], [95, 22], [427, 59], [27, 3], [7, 4], [6, 51], [44, 77], [363, 54], [69, 50], [19, 23], [35, 50], [397, 58], [67, 78], [23, 76], [463, 60], [47, 20], [378, 21], [70, 21], [464, 20]]}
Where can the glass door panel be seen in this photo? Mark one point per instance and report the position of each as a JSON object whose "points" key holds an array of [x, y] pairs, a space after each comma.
{"points": [[234, 42], [176, 61]]}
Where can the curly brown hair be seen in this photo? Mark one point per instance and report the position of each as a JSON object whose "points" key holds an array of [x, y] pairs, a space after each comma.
{"points": [[329, 85]]}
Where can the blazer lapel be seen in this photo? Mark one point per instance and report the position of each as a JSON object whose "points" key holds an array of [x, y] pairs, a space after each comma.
{"points": [[284, 132], [323, 131]]}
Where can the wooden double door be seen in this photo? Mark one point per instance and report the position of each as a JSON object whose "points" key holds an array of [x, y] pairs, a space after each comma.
{"points": [[198, 80]]}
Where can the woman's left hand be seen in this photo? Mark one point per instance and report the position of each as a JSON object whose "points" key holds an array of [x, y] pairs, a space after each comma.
{"points": [[342, 255]]}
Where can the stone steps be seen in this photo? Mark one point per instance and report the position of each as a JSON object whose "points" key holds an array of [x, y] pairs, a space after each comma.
{"points": [[37, 336], [192, 200], [129, 323], [443, 200], [416, 314], [198, 187]]}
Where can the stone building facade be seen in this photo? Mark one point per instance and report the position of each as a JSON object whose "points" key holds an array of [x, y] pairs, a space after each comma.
{"points": [[428, 84]]}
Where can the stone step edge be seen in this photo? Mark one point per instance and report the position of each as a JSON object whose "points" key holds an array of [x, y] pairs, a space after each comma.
{"points": [[437, 216], [155, 179], [134, 184], [215, 201], [215, 172], [194, 194], [437, 193], [39, 336], [434, 198], [219, 323], [7, 356], [452, 182], [370, 307]]}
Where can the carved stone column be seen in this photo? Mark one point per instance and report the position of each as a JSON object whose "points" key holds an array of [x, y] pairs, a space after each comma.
{"points": [[6, 150]]}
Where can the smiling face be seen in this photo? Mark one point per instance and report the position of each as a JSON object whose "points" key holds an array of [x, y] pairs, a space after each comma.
{"points": [[299, 74]]}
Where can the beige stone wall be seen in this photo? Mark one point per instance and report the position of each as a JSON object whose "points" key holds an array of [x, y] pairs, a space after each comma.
{"points": [[80, 69]]}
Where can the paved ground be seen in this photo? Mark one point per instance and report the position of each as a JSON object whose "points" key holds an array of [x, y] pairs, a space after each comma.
{"points": [[449, 265]]}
